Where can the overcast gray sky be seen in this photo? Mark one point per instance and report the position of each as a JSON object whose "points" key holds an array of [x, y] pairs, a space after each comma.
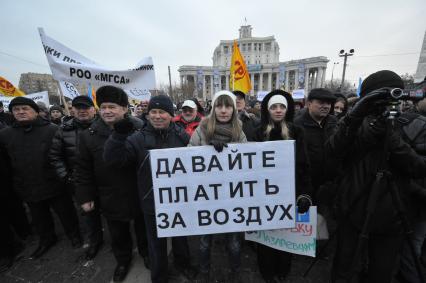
{"points": [[118, 34]]}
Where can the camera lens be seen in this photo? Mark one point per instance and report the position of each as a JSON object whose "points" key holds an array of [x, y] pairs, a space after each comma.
{"points": [[396, 93]]}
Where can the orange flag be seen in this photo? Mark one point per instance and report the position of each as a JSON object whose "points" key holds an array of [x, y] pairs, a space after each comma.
{"points": [[240, 77], [7, 88]]}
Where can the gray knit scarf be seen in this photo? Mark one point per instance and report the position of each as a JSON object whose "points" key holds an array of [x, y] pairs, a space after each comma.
{"points": [[222, 132]]}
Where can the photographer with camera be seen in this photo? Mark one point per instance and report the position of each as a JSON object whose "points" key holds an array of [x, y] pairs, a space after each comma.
{"points": [[373, 194]]}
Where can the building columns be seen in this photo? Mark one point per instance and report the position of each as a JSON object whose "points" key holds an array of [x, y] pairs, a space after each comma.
{"points": [[269, 81], [323, 76], [316, 77], [204, 87], [286, 87], [296, 79], [227, 80], [212, 90]]}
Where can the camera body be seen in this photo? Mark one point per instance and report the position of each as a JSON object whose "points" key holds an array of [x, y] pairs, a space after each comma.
{"points": [[410, 94]]}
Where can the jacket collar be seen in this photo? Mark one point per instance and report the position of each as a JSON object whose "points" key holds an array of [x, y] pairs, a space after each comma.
{"points": [[99, 126], [37, 122], [309, 121]]}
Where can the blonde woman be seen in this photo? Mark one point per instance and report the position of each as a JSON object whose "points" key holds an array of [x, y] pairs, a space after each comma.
{"points": [[221, 127]]}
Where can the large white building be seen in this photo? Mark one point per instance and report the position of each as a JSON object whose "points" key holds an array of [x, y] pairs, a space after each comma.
{"points": [[261, 55]]}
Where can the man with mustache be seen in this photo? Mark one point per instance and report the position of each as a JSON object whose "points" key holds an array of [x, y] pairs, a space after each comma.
{"points": [[319, 125], [99, 185]]}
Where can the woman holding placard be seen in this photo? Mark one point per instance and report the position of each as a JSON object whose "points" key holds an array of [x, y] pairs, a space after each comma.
{"points": [[218, 129], [277, 112]]}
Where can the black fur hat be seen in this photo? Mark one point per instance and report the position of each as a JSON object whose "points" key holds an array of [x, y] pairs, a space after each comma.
{"points": [[111, 94], [264, 107]]}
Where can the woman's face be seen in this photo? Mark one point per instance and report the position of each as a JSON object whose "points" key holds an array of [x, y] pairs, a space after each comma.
{"points": [[223, 113], [277, 112], [338, 107]]}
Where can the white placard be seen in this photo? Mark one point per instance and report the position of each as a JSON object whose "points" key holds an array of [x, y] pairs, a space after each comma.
{"points": [[298, 94], [246, 187], [261, 94], [68, 90], [42, 96], [298, 240]]}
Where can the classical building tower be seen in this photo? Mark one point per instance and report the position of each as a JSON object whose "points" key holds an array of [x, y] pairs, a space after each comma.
{"points": [[261, 55]]}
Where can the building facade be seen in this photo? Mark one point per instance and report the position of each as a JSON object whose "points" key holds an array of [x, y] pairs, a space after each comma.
{"points": [[261, 55], [34, 82]]}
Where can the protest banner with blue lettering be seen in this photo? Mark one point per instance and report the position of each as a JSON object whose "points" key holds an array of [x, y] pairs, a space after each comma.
{"points": [[246, 187], [299, 240]]}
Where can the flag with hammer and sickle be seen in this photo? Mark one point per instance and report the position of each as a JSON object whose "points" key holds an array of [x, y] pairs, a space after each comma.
{"points": [[240, 77], [8, 89]]}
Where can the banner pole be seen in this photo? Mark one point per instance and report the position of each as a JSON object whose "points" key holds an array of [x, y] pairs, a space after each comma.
{"points": [[62, 98]]}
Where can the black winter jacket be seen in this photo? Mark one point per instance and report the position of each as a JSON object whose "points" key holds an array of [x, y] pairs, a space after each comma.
{"points": [[361, 148], [62, 153], [96, 179], [250, 124], [6, 118], [27, 147], [322, 166], [133, 151], [303, 180], [413, 127]]}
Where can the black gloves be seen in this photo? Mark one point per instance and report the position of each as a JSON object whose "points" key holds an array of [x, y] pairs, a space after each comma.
{"points": [[218, 145], [368, 104], [68, 179], [303, 203], [377, 126], [124, 126]]}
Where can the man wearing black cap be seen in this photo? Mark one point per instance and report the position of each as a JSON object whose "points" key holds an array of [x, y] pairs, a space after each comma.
{"points": [[250, 122], [318, 125], [124, 149], [27, 144], [62, 156], [99, 185], [375, 159]]}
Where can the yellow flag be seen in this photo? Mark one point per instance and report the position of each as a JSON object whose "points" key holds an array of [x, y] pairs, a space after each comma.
{"points": [[7, 89], [240, 77]]}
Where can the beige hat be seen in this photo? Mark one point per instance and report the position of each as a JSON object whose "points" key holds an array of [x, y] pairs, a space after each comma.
{"points": [[227, 93]]}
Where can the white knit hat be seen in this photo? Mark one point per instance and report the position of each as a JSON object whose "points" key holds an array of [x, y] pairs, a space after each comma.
{"points": [[227, 93], [277, 99]]}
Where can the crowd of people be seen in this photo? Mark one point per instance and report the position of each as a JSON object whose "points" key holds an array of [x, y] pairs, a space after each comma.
{"points": [[361, 161]]}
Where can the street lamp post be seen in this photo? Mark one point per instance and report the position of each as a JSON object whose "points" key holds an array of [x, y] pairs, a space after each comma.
{"points": [[332, 71], [346, 55]]}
